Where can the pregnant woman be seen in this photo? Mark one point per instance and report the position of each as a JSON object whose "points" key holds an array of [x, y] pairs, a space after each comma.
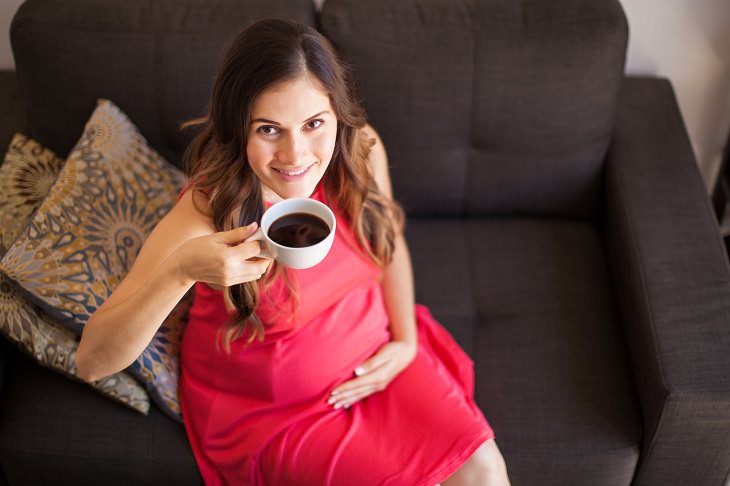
{"points": [[330, 375]]}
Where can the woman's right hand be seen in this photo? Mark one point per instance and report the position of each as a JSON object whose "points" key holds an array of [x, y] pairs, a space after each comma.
{"points": [[222, 258]]}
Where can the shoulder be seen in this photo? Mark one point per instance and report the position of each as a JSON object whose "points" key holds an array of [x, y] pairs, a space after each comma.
{"points": [[192, 213], [369, 131], [182, 223], [378, 160], [371, 136]]}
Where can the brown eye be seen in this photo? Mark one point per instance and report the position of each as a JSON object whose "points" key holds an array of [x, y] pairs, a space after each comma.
{"points": [[314, 124], [267, 130]]}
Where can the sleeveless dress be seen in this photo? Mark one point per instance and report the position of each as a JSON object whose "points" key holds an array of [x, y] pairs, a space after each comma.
{"points": [[260, 415]]}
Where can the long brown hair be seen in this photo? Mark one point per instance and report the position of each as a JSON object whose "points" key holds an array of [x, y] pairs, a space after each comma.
{"points": [[269, 52]]}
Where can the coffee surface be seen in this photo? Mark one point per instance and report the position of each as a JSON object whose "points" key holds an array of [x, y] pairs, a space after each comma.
{"points": [[297, 230]]}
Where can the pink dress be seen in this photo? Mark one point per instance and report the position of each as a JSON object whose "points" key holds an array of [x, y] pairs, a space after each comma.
{"points": [[260, 416]]}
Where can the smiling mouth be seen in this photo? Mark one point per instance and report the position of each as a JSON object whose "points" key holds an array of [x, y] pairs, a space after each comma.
{"points": [[293, 173]]}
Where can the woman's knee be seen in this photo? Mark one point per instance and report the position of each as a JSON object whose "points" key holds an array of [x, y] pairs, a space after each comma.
{"points": [[484, 466], [488, 461]]}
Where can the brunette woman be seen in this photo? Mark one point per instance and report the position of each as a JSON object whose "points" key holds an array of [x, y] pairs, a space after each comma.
{"points": [[326, 376]]}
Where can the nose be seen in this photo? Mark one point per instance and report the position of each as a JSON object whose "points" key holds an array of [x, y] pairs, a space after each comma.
{"points": [[293, 150]]}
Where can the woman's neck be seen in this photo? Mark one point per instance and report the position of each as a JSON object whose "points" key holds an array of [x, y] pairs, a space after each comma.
{"points": [[270, 196]]}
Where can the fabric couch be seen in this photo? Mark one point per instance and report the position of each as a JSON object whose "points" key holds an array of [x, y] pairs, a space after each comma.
{"points": [[558, 224]]}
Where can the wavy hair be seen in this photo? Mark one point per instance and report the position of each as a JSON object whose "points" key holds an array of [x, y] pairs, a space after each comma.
{"points": [[269, 52]]}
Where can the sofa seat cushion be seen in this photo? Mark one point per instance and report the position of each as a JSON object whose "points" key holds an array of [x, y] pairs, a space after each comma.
{"points": [[531, 301], [56, 428]]}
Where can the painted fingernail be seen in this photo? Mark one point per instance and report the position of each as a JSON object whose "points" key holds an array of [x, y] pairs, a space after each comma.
{"points": [[331, 400], [359, 370]]}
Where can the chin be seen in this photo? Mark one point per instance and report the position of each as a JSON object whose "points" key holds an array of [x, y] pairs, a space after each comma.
{"points": [[304, 189]]}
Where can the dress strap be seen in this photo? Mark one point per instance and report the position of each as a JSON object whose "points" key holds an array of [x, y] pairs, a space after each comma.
{"points": [[188, 184]]}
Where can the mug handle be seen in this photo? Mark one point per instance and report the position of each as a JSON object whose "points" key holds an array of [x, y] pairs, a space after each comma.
{"points": [[266, 252]]}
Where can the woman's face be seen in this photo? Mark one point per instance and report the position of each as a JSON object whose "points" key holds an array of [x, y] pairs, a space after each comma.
{"points": [[291, 138]]}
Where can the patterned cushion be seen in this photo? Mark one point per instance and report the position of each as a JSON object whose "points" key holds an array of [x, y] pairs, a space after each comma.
{"points": [[84, 238], [25, 179]]}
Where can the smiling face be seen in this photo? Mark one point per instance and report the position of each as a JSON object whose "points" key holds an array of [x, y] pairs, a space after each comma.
{"points": [[291, 138]]}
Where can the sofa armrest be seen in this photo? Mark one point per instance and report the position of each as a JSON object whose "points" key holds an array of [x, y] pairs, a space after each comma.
{"points": [[13, 117], [672, 280]]}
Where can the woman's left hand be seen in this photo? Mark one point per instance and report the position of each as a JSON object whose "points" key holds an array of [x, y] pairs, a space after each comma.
{"points": [[375, 374]]}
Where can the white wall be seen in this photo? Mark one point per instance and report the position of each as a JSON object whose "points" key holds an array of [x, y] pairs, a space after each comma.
{"points": [[687, 41], [7, 10]]}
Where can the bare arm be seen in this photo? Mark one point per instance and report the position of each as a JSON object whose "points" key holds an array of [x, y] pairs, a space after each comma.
{"points": [[398, 275], [182, 249]]}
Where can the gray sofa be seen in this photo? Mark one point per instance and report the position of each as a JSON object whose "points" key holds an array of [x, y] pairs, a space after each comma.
{"points": [[558, 225]]}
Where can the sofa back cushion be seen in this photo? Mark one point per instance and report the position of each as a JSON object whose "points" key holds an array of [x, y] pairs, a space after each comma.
{"points": [[489, 107], [155, 60]]}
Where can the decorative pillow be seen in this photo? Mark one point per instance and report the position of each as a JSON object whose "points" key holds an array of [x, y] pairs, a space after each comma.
{"points": [[25, 179], [159, 365], [85, 236]]}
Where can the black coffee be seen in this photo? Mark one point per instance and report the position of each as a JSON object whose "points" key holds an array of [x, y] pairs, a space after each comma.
{"points": [[296, 230]]}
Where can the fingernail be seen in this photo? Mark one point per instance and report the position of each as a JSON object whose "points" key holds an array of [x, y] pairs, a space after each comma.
{"points": [[359, 370], [338, 406], [331, 400], [335, 392]]}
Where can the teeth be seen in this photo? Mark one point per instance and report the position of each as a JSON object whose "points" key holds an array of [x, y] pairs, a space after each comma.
{"points": [[293, 173]]}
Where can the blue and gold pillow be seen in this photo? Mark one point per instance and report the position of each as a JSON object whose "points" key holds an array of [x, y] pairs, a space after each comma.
{"points": [[26, 176], [84, 238]]}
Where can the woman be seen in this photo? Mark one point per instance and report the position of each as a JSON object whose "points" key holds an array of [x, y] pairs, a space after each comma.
{"points": [[329, 375]]}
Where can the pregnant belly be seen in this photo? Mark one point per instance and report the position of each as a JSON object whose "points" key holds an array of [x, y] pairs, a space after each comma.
{"points": [[307, 363]]}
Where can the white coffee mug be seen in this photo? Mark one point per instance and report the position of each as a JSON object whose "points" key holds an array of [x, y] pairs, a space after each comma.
{"points": [[295, 257]]}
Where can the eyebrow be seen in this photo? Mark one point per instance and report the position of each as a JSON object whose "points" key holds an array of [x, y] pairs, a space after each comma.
{"points": [[272, 122]]}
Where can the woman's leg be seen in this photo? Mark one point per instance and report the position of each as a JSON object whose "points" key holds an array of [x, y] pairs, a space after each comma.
{"points": [[485, 467]]}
